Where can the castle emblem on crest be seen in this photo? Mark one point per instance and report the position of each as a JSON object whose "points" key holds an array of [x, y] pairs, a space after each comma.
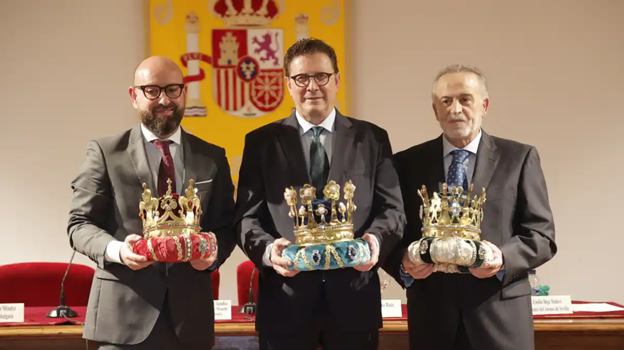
{"points": [[247, 59]]}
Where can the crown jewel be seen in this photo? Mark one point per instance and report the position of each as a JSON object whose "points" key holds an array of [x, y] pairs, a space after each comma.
{"points": [[452, 213], [171, 214], [320, 221]]}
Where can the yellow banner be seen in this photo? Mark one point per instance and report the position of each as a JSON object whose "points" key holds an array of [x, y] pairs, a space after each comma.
{"points": [[232, 53]]}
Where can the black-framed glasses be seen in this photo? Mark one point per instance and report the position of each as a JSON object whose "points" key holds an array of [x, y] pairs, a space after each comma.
{"points": [[303, 80], [152, 92]]}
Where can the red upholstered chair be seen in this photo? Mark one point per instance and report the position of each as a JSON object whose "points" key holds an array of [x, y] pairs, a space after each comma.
{"points": [[215, 280], [39, 283], [243, 278]]}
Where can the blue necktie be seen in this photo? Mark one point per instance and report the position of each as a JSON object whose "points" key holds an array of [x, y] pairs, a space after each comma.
{"points": [[457, 172]]}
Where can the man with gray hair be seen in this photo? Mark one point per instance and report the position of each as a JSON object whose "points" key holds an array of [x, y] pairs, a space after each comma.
{"points": [[484, 307]]}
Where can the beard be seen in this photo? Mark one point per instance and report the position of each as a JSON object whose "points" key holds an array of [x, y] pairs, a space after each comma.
{"points": [[162, 126], [461, 130]]}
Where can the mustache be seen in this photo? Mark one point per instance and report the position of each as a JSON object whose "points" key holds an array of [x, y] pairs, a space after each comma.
{"points": [[161, 107], [458, 118]]}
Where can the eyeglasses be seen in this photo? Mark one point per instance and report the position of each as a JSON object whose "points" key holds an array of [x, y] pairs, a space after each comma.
{"points": [[303, 80], [152, 92]]}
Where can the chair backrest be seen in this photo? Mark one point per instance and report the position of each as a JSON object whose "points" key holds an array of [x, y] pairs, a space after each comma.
{"points": [[215, 280], [243, 279], [39, 283]]}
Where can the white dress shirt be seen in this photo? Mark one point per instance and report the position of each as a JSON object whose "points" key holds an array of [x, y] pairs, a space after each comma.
{"points": [[154, 157]]}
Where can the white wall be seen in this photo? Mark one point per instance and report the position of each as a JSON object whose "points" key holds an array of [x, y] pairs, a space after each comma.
{"points": [[555, 76], [555, 83], [65, 66]]}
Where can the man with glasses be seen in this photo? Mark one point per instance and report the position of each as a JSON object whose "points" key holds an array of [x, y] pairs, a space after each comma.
{"points": [[340, 309], [134, 303]]}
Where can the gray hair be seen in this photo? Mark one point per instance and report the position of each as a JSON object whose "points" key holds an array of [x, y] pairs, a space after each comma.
{"points": [[461, 68]]}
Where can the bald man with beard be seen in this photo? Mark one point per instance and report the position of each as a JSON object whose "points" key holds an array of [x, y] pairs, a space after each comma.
{"points": [[136, 304]]}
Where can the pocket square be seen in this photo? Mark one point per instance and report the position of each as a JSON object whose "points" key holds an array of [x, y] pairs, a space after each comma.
{"points": [[203, 182]]}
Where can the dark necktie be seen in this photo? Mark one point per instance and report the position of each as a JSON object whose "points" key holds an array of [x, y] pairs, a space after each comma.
{"points": [[166, 170], [319, 163], [456, 172]]}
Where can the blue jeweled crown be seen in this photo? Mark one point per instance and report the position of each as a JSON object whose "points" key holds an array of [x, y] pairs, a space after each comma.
{"points": [[323, 229]]}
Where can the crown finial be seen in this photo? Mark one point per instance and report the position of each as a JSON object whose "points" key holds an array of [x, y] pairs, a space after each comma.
{"points": [[168, 187]]}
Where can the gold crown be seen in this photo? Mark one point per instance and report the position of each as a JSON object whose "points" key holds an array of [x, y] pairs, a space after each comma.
{"points": [[322, 221], [171, 214], [247, 13], [452, 213]]}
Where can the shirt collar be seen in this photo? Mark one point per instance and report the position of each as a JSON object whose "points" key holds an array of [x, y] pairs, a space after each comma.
{"points": [[149, 136], [327, 124], [472, 147]]}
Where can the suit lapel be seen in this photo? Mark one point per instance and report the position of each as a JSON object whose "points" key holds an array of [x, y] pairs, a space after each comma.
{"points": [[436, 166], [290, 141], [138, 156], [342, 147], [189, 161], [487, 158]]}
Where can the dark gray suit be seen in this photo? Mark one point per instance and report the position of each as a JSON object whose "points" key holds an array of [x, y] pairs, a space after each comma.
{"points": [[517, 219], [273, 160], [124, 305]]}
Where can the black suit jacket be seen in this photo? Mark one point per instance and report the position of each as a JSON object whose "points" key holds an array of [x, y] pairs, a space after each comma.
{"points": [[124, 304], [273, 160], [517, 219]]}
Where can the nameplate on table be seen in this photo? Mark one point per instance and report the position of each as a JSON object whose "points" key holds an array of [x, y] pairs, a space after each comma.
{"points": [[551, 305], [12, 312], [223, 309], [391, 308]]}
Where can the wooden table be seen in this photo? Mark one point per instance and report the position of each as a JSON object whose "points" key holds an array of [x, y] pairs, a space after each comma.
{"points": [[603, 334]]}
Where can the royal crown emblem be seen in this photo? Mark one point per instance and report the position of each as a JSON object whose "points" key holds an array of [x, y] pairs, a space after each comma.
{"points": [[451, 230], [171, 227], [247, 13], [323, 229], [246, 55]]}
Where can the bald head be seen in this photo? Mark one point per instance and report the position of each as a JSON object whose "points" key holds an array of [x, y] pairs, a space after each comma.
{"points": [[155, 67], [159, 95]]}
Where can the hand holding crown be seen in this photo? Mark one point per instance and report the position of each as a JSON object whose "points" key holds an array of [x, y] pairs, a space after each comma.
{"points": [[281, 265], [491, 267], [451, 239], [131, 259]]}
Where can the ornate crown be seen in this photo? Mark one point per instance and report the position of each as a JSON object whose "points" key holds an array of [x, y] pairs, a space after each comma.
{"points": [[171, 214], [452, 213], [247, 13], [321, 221]]}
